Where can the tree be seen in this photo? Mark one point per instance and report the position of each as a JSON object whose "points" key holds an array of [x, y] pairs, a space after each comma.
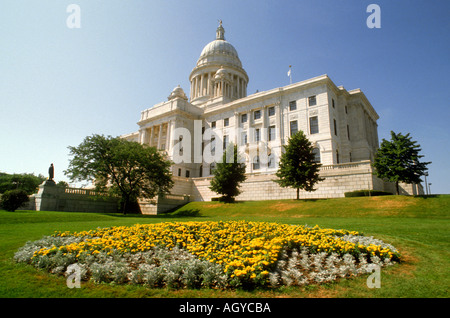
{"points": [[397, 160], [297, 167], [228, 175], [25, 181], [121, 167], [11, 200]]}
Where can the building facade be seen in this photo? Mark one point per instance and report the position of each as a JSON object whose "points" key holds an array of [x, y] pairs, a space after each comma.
{"points": [[194, 131]]}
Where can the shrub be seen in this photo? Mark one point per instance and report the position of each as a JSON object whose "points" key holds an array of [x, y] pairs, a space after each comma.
{"points": [[365, 193], [11, 200]]}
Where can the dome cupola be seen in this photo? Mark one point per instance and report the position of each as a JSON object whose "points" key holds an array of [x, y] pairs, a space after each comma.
{"points": [[218, 55], [177, 93]]}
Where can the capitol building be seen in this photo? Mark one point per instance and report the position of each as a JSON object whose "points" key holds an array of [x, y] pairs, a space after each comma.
{"points": [[341, 124]]}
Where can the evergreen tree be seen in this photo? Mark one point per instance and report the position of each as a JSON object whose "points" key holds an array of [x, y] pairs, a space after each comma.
{"points": [[228, 175], [397, 160], [297, 166]]}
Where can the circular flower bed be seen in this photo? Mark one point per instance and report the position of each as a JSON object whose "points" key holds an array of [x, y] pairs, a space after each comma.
{"points": [[210, 254]]}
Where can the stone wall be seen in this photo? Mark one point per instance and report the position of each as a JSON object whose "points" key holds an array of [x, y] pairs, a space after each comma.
{"points": [[52, 197], [339, 179], [163, 203]]}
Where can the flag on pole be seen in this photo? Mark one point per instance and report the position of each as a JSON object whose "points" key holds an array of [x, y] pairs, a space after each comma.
{"points": [[289, 74]]}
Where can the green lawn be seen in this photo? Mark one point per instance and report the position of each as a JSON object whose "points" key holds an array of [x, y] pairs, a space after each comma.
{"points": [[418, 227]]}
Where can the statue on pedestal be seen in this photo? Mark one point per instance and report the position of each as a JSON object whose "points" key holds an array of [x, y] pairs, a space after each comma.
{"points": [[51, 171]]}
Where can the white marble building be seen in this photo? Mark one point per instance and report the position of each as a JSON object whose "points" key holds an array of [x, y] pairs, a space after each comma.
{"points": [[341, 124]]}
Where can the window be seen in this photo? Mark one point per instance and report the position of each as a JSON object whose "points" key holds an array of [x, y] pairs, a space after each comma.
{"points": [[312, 100], [200, 174], [187, 173], [225, 141], [332, 102], [244, 138], [243, 118], [337, 156], [348, 132], [180, 139], [256, 114], [271, 111], [226, 122], [314, 125], [256, 165], [346, 110], [293, 127], [293, 105], [271, 163], [335, 127], [213, 124], [179, 172], [271, 133], [213, 145], [257, 135], [316, 152]]}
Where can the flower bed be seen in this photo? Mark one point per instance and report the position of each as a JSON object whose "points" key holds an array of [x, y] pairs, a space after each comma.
{"points": [[210, 254]]}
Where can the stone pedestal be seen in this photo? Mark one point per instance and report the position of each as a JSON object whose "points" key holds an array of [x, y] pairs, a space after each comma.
{"points": [[47, 197]]}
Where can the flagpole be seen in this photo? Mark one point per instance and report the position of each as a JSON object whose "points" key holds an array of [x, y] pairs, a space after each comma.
{"points": [[289, 74]]}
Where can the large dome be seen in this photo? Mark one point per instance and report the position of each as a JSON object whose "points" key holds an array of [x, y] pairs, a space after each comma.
{"points": [[219, 52], [218, 72]]}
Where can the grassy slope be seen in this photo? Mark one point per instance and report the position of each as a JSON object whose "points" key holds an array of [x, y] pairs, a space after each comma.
{"points": [[419, 227]]}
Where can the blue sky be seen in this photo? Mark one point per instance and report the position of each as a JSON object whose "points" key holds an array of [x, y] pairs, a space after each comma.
{"points": [[59, 85]]}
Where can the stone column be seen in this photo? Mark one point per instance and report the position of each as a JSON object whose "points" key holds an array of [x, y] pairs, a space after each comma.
{"points": [[264, 126], [142, 135], [151, 135], [279, 128], [238, 93], [194, 86], [160, 136], [211, 84], [236, 128], [171, 130], [167, 136]]}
